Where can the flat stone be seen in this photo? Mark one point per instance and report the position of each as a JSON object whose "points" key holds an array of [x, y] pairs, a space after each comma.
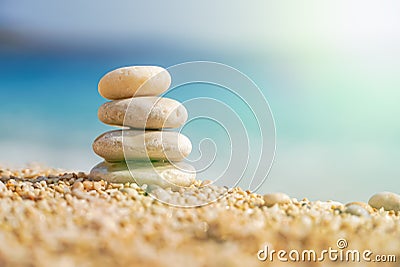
{"points": [[276, 198], [161, 174], [144, 112], [134, 81], [142, 145], [386, 200]]}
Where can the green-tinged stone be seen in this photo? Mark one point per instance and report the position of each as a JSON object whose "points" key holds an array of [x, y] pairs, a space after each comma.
{"points": [[163, 174]]}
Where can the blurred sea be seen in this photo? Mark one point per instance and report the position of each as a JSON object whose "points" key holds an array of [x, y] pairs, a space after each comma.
{"points": [[50, 99], [331, 79], [49, 115]]}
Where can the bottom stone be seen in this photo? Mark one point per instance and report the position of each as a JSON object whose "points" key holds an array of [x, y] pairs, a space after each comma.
{"points": [[162, 174]]}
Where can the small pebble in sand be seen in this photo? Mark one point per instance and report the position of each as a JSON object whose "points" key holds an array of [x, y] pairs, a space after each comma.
{"points": [[361, 204], [386, 200], [2, 186], [356, 210], [276, 198]]}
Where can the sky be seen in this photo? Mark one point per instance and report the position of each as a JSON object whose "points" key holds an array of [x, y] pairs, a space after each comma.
{"points": [[329, 71]]}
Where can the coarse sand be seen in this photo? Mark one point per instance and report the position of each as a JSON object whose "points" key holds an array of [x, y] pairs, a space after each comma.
{"points": [[52, 218]]}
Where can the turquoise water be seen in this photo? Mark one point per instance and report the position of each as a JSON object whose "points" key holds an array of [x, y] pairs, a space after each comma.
{"points": [[335, 131]]}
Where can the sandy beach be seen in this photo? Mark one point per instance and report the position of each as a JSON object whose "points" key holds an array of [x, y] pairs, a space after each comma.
{"points": [[52, 218]]}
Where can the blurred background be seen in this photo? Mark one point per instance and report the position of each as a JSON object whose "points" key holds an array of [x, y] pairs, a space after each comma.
{"points": [[330, 71]]}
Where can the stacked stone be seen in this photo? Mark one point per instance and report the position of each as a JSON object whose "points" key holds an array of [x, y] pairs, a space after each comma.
{"points": [[145, 152]]}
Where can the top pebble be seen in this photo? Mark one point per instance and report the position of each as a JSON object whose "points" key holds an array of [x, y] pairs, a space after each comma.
{"points": [[134, 81]]}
